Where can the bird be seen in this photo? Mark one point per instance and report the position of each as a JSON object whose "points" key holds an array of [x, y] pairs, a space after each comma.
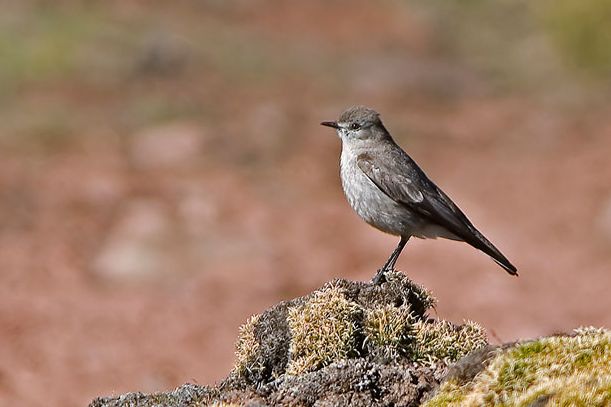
{"points": [[390, 192]]}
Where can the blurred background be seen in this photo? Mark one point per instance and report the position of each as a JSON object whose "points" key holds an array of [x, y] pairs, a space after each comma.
{"points": [[163, 173]]}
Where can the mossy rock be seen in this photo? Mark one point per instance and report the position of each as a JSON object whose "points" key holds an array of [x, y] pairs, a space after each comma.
{"points": [[554, 371], [346, 320], [359, 344], [370, 344]]}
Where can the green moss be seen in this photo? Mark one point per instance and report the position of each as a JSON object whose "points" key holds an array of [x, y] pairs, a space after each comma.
{"points": [[450, 394], [564, 370], [323, 329], [529, 349]]}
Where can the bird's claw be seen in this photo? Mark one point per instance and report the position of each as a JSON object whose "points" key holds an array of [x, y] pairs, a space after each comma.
{"points": [[380, 276]]}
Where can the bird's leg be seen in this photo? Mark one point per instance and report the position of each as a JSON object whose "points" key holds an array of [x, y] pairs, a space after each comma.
{"points": [[390, 263]]}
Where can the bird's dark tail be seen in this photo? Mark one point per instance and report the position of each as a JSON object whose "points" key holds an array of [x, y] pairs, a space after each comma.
{"points": [[478, 241], [510, 268]]}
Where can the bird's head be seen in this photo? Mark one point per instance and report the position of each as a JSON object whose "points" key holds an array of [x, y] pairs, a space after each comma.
{"points": [[358, 123]]}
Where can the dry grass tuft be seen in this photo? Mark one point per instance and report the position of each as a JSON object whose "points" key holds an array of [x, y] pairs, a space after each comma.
{"points": [[323, 330], [247, 346], [443, 341], [387, 328]]}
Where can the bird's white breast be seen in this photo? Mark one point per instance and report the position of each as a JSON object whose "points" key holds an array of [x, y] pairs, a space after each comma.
{"points": [[369, 202]]}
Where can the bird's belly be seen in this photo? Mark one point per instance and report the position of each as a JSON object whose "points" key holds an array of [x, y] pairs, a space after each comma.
{"points": [[375, 207]]}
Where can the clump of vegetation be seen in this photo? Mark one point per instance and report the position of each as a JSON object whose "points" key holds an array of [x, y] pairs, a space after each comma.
{"points": [[559, 370], [247, 346], [434, 341], [364, 344], [386, 328], [323, 329], [393, 331], [344, 320]]}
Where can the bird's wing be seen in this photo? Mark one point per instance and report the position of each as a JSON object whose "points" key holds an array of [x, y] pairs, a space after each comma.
{"points": [[412, 188]]}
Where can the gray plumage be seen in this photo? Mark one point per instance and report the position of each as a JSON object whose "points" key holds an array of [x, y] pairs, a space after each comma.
{"points": [[389, 191]]}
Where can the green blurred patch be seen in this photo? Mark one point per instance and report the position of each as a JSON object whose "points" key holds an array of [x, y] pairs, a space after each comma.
{"points": [[100, 64], [42, 43], [582, 30], [543, 47]]}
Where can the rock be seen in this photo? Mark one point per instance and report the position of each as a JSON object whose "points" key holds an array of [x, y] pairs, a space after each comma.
{"points": [[350, 344], [185, 395], [560, 370], [346, 344]]}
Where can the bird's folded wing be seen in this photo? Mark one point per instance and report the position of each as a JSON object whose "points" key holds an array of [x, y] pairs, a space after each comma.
{"points": [[405, 183], [411, 187]]}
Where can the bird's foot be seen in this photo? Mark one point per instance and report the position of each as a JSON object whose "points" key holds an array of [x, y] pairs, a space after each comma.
{"points": [[380, 276]]}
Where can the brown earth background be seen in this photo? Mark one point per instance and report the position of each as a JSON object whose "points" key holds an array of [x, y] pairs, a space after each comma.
{"points": [[163, 174]]}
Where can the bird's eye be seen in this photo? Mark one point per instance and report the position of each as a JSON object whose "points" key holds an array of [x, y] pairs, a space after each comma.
{"points": [[354, 126]]}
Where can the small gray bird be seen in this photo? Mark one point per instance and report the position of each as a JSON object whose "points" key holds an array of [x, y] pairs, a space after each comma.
{"points": [[389, 191]]}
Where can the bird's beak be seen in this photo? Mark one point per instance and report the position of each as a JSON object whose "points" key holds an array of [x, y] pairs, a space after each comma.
{"points": [[330, 124]]}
